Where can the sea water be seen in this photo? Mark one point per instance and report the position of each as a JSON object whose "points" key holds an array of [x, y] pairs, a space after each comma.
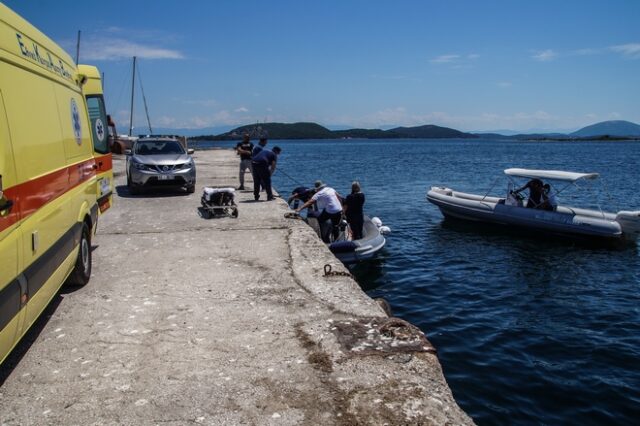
{"points": [[528, 330]]}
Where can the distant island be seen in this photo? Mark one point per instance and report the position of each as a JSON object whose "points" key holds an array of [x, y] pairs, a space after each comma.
{"points": [[606, 130], [316, 131]]}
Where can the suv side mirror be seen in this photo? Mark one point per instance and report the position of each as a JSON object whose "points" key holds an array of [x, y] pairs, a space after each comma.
{"points": [[127, 152], [190, 151]]}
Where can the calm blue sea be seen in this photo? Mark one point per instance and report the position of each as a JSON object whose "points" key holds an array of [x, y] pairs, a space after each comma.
{"points": [[528, 331]]}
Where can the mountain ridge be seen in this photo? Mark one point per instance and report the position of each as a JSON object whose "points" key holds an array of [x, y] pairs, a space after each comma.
{"points": [[613, 129], [308, 130]]}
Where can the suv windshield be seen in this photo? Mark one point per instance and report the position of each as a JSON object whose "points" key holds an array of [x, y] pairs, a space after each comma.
{"points": [[158, 148]]}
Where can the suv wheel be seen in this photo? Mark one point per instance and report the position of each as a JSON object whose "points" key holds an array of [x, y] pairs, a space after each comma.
{"points": [[133, 190]]}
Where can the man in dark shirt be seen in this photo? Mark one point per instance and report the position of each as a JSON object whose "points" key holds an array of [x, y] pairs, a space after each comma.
{"points": [[353, 210], [256, 149], [264, 165], [535, 187], [244, 150]]}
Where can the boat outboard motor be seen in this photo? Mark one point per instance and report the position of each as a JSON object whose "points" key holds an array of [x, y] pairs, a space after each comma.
{"points": [[629, 223]]}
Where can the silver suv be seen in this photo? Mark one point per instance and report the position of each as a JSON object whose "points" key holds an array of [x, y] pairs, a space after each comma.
{"points": [[160, 162]]}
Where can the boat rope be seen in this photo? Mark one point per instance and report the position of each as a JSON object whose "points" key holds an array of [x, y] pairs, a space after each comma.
{"points": [[292, 215], [287, 175], [329, 273]]}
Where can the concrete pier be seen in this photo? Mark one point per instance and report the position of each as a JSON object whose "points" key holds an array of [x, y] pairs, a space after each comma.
{"points": [[219, 321]]}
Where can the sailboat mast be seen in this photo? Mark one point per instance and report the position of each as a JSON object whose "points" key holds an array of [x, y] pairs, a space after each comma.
{"points": [[78, 49], [133, 85], [144, 100]]}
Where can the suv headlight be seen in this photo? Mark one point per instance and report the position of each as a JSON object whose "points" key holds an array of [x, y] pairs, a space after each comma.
{"points": [[189, 164], [139, 166]]}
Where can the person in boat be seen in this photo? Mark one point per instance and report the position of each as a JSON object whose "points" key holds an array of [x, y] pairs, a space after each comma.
{"points": [[328, 203], [244, 149], [548, 199], [264, 165], [535, 187], [353, 210]]}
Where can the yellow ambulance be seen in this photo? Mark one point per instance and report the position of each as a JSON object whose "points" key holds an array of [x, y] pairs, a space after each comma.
{"points": [[55, 172]]}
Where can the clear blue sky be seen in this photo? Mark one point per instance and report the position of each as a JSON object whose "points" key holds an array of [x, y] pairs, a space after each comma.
{"points": [[472, 65]]}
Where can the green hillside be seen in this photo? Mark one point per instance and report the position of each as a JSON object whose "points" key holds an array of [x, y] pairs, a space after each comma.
{"points": [[316, 131]]}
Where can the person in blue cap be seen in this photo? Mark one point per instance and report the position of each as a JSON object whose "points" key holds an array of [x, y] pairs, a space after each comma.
{"points": [[264, 165]]}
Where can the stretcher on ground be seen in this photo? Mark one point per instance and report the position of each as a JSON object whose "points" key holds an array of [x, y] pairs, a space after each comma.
{"points": [[219, 202]]}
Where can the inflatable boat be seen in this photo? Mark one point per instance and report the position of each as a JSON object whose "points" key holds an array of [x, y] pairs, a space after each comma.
{"points": [[353, 251], [347, 250], [562, 220]]}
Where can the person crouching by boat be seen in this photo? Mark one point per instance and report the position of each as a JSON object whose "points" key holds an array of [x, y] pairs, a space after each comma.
{"points": [[300, 195], [353, 210], [264, 165], [548, 199], [328, 204], [535, 193], [244, 149]]}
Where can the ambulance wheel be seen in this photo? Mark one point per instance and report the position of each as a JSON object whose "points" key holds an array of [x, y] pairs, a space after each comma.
{"points": [[82, 269], [234, 213]]}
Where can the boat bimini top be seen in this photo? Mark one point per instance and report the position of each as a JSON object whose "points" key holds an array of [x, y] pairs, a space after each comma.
{"points": [[551, 174]]}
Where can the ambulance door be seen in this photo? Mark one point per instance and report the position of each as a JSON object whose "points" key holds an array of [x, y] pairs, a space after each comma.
{"points": [[100, 137], [12, 286], [46, 222]]}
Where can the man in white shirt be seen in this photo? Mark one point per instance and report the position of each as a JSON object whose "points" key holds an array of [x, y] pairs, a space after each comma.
{"points": [[328, 203]]}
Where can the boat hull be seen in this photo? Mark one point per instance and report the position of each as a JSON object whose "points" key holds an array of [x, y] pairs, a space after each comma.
{"points": [[566, 221], [363, 249], [350, 252]]}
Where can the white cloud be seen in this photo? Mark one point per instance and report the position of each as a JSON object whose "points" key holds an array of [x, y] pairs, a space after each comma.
{"points": [[504, 84], [631, 50], [545, 55], [241, 109], [110, 49], [445, 59], [587, 52], [165, 121], [207, 103]]}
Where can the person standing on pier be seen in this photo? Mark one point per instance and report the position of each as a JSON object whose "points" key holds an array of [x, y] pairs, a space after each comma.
{"points": [[264, 165], [244, 150], [256, 149]]}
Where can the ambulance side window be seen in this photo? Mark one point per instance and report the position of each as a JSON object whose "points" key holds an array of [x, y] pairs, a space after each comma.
{"points": [[98, 117]]}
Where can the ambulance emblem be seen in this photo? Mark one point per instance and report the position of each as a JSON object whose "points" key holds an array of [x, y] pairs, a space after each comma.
{"points": [[75, 121], [100, 130]]}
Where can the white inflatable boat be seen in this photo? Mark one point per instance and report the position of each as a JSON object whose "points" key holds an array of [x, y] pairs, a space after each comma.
{"points": [[353, 251], [563, 220]]}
